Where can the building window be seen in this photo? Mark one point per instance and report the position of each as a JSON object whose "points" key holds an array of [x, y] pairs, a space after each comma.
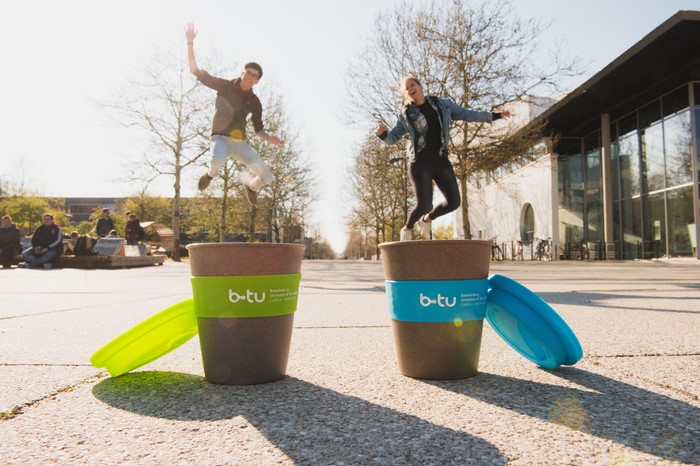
{"points": [[628, 157], [652, 158], [681, 223], [678, 146], [571, 189], [527, 224], [593, 210], [652, 162]]}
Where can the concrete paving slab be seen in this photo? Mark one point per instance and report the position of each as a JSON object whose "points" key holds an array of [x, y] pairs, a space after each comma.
{"points": [[633, 399], [26, 384]]}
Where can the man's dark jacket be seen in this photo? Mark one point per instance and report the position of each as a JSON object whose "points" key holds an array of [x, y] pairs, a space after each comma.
{"points": [[10, 239], [104, 226], [48, 236]]}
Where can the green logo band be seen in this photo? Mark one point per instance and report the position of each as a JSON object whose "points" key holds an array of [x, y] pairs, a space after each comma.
{"points": [[245, 296]]}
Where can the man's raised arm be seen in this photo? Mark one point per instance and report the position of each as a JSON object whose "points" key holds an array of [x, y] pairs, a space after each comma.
{"points": [[190, 33]]}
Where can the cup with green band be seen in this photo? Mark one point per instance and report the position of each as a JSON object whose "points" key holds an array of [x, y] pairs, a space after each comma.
{"points": [[245, 296], [437, 293]]}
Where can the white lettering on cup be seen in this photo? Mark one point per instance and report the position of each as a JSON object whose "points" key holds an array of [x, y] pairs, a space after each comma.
{"points": [[250, 296], [442, 301]]}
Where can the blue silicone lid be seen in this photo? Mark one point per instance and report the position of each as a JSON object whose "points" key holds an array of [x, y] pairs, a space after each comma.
{"points": [[529, 325]]}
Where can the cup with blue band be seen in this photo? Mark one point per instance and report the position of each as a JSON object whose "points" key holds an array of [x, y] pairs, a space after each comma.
{"points": [[437, 294], [245, 296]]}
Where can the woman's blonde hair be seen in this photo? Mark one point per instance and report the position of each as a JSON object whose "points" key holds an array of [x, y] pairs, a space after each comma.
{"points": [[402, 85]]}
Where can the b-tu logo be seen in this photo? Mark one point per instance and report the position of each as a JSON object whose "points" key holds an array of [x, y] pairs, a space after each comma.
{"points": [[441, 301], [250, 296]]}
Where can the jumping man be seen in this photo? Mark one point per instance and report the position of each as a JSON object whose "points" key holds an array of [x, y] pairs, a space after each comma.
{"points": [[235, 100]]}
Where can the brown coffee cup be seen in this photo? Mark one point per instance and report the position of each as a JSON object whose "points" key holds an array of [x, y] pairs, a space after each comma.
{"points": [[249, 349], [437, 350]]}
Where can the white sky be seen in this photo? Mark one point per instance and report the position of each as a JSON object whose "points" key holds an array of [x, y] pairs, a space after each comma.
{"points": [[59, 58]]}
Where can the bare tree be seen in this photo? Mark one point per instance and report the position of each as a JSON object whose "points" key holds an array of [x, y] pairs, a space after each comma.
{"points": [[175, 113], [378, 192], [283, 205], [479, 55]]}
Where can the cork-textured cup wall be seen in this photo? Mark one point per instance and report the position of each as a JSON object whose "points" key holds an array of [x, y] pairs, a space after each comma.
{"points": [[437, 350], [250, 350]]}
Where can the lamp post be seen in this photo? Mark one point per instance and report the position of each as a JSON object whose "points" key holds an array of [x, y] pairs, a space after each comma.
{"points": [[402, 161]]}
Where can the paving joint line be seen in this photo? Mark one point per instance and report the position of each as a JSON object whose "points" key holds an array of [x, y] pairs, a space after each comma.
{"points": [[643, 355], [628, 290], [665, 386], [20, 409], [41, 364], [78, 308], [343, 327]]}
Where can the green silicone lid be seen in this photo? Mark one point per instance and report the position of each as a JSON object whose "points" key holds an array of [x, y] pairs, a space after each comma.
{"points": [[154, 337]]}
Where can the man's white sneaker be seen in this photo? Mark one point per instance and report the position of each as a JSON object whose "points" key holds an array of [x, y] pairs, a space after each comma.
{"points": [[426, 228], [406, 235]]}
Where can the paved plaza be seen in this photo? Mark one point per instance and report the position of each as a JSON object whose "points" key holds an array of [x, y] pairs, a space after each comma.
{"points": [[633, 399]]}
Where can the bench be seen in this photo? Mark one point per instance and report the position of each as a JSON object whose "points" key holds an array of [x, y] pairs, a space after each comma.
{"points": [[112, 253], [107, 262]]}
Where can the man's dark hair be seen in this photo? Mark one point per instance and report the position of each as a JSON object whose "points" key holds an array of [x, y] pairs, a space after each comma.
{"points": [[254, 66]]}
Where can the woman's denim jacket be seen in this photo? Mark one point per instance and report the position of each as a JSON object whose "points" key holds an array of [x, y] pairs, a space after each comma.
{"points": [[447, 111]]}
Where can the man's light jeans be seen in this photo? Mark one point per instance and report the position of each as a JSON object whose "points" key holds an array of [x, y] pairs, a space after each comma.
{"points": [[239, 150]]}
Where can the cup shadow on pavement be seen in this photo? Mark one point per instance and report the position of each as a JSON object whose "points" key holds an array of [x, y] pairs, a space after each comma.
{"points": [[309, 423], [603, 407], [605, 301]]}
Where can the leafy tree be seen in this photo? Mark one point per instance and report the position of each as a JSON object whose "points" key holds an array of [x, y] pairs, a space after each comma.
{"points": [[443, 232], [149, 208], [26, 211], [480, 55]]}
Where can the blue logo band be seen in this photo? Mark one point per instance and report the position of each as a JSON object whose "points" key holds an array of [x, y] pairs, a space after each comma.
{"points": [[437, 301]]}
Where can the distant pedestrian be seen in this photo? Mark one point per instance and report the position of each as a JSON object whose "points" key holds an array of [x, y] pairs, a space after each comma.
{"points": [[47, 244], [105, 224], [134, 231], [235, 100]]}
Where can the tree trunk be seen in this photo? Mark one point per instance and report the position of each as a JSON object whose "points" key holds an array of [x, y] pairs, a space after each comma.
{"points": [[465, 206], [251, 230], [175, 255], [222, 222], [378, 228], [270, 221]]}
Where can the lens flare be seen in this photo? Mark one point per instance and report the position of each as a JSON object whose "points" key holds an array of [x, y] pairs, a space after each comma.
{"points": [[458, 322], [569, 412]]}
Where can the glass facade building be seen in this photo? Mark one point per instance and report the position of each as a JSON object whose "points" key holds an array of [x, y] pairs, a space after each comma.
{"points": [[651, 174], [621, 179]]}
